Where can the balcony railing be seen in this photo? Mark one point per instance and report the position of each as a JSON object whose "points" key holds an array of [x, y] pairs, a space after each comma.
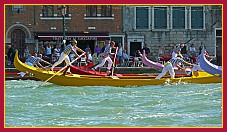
{"points": [[56, 17]]}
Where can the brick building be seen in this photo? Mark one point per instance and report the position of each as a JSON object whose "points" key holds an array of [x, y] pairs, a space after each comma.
{"points": [[38, 25]]}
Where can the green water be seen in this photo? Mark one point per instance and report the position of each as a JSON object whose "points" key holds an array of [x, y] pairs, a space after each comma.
{"points": [[176, 105]]}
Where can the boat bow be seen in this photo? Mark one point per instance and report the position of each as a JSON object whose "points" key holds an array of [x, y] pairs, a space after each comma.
{"points": [[159, 66], [208, 66]]}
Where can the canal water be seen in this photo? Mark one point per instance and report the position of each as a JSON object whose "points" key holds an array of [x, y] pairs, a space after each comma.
{"points": [[168, 105]]}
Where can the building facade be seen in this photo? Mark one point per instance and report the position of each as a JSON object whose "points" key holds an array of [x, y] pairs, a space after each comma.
{"points": [[168, 25], [37, 25]]}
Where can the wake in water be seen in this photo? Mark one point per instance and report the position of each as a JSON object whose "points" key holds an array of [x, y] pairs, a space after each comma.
{"points": [[169, 83]]}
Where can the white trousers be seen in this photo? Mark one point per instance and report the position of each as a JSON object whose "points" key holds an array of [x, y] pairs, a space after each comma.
{"points": [[110, 62], [168, 68], [62, 58]]}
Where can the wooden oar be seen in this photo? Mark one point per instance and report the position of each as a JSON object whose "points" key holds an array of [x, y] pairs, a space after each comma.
{"points": [[59, 71], [114, 63], [184, 69], [47, 66], [66, 69], [188, 41]]}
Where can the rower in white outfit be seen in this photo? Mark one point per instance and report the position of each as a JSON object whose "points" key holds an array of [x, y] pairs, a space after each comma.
{"points": [[65, 54], [169, 66], [106, 57]]}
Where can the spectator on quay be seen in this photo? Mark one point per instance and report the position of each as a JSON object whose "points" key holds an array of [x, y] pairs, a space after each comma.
{"points": [[119, 54], [137, 53], [147, 50], [11, 53], [177, 50], [161, 51], [137, 58], [62, 48], [188, 57], [71, 56], [89, 57], [104, 46], [97, 49], [48, 49], [26, 52], [7, 55], [192, 50], [57, 52], [125, 55], [171, 50], [87, 49]]}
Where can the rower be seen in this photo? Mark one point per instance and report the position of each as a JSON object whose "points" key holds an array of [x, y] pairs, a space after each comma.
{"points": [[169, 66], [106, 57], [65, 54], [34, 61]]}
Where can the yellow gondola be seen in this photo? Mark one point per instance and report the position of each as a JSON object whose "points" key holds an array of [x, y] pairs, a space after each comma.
{"points": [[92, 80]]}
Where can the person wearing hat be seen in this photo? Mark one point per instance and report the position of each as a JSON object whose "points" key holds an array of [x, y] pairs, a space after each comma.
{"points": [[65, 54], [169, 66], [106, 57]]}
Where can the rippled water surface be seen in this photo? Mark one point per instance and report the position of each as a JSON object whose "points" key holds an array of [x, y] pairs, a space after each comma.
{"points": [[175, 105]]}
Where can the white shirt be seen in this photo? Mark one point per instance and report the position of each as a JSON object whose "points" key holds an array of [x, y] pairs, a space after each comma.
{"points": [[48, 50], [119, 53], [57, 51], [192, 49]]}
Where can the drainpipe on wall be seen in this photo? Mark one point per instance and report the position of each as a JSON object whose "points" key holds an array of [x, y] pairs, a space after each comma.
{"points": [[35, 27]]}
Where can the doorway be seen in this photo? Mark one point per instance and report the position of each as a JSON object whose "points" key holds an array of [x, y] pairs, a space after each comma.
{"points": [[218, 46], [84, 43], [134, 46], [18, 39]]}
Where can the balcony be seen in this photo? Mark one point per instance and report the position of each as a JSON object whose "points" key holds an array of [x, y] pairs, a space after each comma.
{"points": [[56, 17]]}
